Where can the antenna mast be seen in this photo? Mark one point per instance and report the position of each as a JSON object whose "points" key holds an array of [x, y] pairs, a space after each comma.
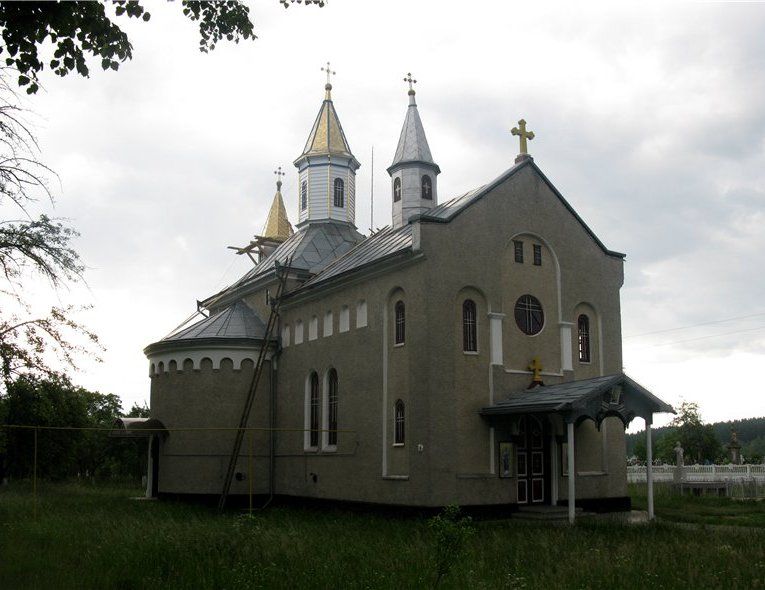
{"points": [[372, 193]]}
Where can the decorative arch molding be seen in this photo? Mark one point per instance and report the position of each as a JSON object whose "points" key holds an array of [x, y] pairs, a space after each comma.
{"points": [[596, 331], [160, 362]]}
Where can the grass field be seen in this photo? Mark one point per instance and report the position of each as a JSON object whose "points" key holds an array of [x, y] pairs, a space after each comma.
{"points": [[97, 537]]}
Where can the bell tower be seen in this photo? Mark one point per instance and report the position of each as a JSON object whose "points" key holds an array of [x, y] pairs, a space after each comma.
{"points": [[413, 172], [327, 169]]}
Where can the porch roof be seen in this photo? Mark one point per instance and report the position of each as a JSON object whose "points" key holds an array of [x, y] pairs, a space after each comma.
{"points": [[593, 398], [137, 427]]}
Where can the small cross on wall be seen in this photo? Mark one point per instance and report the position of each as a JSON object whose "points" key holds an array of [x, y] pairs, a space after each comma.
{"points": [[536, 368], [524, 135]]}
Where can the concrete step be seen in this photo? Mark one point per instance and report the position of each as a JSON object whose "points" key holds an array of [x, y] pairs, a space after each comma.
{"points": [[544, 513]]}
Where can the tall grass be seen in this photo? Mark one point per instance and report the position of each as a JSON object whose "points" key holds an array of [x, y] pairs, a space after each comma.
{"points": [[91, 537]]}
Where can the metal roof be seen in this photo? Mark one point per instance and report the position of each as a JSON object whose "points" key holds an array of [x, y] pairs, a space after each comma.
{"points": [[384, 243], [236, 321], [327, 136], [412, 143], [312, 248], [565, 397]]}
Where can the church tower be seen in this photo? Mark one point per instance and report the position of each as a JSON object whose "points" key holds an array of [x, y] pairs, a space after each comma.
{"points": [[327, 169], [413, 171]]}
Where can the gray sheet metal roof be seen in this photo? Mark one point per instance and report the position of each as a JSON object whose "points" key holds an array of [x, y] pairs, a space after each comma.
{"points": [[236, 321], [412, 143], [384, 243], [312, 248], [565, 397]]}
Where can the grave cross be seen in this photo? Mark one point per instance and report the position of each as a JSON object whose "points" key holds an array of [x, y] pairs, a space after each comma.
{"points": [[523, 134]]}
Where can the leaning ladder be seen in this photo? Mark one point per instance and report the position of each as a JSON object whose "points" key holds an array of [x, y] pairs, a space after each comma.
{"points": [[272, 319]]}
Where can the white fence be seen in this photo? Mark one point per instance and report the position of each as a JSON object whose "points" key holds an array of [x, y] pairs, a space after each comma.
{"points": [[700, 473]]}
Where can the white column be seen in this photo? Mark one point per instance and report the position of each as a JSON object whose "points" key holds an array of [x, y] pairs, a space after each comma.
{"points": [[495, 329], [571, 474], [566, 353], [649, 466]]}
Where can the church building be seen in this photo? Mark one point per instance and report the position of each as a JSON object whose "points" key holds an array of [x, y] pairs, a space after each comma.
{"points": [[469, 353]]}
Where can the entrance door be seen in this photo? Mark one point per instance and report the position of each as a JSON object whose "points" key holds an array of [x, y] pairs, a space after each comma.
{"points": [[531, 459]]}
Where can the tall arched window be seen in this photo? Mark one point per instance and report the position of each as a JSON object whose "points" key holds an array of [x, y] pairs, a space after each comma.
{"points": [[303, 196], [469, 333], [332, 408], [396, 189], [339, 192], [583, 324], [314, 423], [399, 423], [427, 188], [400, 323]]}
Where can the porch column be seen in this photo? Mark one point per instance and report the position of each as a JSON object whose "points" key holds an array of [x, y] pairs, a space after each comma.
{"points": [[150, 469], [571, 474], [649, 465]]}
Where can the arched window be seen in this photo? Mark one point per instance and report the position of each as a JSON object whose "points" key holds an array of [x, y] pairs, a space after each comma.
{"points": [[303, 196], [314, 423], [400, 323], [399, 424], [529, 315], [339, 192], [469, 334], [396, 189], [332, 408], [583, 324], [427, 188]]}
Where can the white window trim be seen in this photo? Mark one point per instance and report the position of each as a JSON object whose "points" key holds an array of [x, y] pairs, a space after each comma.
{"points": [[345, 313], [313, 328], [328, 326], [362, 303], [299, 329]]}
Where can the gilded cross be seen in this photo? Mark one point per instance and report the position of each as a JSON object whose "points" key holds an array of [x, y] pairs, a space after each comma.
{"points": [[329, 72], [523, 134], [536, 367], [410, 80], [279, 175]]}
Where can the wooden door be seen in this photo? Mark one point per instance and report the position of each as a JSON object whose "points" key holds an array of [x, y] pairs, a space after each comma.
{"points": [[531, 461]]}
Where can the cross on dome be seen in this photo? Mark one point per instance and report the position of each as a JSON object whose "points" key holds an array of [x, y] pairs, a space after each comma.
{"points": [[279, 175], [524, 135], [411, 82]]}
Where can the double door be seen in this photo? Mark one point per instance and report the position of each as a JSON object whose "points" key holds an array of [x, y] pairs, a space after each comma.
{"points": [[532, 461]]}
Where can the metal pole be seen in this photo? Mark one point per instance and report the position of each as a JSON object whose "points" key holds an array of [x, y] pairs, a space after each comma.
{"points": [[571, 474], [34, 480], [649, 466]]}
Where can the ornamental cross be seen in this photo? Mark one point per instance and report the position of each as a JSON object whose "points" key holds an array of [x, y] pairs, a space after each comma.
{"points": [[410, 80], [329, 72], [536, 367], [279, 175], [523, 134]]}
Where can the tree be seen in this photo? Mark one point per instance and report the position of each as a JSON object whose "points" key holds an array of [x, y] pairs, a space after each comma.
{"points": [[697, 439], [82, 30]]}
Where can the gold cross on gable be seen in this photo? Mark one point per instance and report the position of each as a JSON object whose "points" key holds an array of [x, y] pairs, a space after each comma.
{"points": [[523, 134], [329, 72], [536, 367], [410, 80]]}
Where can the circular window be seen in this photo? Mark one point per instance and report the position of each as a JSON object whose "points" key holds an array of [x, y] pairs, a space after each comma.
{"points": [[529, 315]]}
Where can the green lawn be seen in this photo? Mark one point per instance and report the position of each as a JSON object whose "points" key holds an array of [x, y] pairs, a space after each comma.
{"points": [[702, 509], [91, 537]]}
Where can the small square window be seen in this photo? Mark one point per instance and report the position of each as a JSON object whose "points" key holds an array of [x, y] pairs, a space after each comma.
{"points": [[518, 247], [537, 255]]}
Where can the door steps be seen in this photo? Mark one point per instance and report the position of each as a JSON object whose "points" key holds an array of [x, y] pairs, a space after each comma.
{"points": [[544, 513]]}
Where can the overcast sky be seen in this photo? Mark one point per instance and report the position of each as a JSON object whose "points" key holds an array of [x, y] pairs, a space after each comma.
{"points": [[649, 118]]}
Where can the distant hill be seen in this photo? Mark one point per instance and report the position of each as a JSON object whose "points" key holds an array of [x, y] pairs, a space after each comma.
{"points": [[751, 435]]}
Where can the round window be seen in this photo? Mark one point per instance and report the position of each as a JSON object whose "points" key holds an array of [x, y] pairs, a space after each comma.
{"points": [[529, 315]]}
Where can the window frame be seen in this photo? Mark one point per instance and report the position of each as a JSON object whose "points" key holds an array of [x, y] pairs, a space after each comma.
{"points": [[397, 189], [518, 251], [314, 409], [584, 338], [399, 324], [526, 306], [426, 187], [399, 423], [339, 193], [333, 387], [469, 327], [304, 195], [537, 255]]}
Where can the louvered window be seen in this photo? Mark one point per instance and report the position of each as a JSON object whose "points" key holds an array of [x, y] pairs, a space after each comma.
{"points": [[339, 192]]}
